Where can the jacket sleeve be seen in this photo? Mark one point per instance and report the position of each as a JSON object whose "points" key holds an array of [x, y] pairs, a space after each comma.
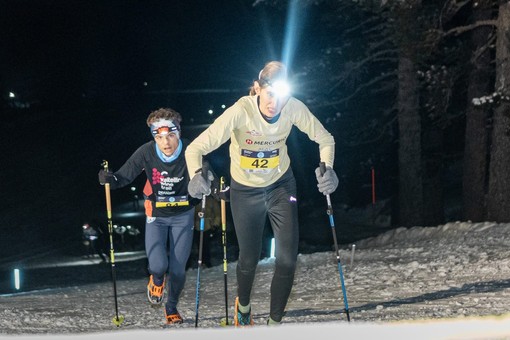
{"points": [[309, 124], [211, 139], [130, 170]]}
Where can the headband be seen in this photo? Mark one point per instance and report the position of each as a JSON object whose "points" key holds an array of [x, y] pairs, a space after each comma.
{"points": [[164, 126]]}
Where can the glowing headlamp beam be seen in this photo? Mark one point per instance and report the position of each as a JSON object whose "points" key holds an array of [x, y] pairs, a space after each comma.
{"points": [[292, 31]]}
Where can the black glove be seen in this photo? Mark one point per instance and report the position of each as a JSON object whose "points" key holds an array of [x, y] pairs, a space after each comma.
{"points": [[215, 188], [219, 193], [106, 177], [224, 194], [328, 182]]}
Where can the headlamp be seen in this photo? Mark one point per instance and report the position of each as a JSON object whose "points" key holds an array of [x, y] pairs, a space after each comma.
{"points": [[164, 130], [163, 127], [279, 87]]}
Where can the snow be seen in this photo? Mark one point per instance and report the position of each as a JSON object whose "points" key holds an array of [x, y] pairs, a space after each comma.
{"points": [[446, 282]]}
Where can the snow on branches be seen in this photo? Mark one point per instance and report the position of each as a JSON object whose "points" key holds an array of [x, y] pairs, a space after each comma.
{"points": [[494, 98]]}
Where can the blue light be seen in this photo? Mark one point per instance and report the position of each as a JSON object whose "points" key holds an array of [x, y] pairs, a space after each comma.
{"points": [[17, 279], [272, 251], [292, 31]]}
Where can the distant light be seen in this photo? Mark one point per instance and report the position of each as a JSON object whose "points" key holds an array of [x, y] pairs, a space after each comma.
{"points": [[272, 247], [133, 188], [223, 106], [210, 112], [12, 95], [144, 83], [17, 280]]}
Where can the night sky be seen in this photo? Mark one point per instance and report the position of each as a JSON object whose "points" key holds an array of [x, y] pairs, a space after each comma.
{"points": [[89, 72], [57, 49]]}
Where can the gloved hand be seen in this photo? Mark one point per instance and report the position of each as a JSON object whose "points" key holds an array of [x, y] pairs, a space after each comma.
{"points": [[199, 186], [225, 194], [328, 182], [218, 193], [106, 177]]}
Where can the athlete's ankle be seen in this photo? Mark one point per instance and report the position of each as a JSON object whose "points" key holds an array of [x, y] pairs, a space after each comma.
{"points": [[244, 309], [271, 322]]}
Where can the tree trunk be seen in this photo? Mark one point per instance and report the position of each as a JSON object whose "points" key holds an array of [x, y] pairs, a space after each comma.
{"points": [[409, 151], [475, 163], [432, 169], [498, 201]]}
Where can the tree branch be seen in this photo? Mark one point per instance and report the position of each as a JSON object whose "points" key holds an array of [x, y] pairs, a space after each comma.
{"points": [[467, 28], [360, 88]]}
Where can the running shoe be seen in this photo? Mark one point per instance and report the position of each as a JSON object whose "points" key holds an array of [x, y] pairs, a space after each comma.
{"points": [[155, 293], [241, 319]]}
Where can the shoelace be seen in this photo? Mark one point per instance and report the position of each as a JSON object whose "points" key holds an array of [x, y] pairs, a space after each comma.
{"points": [[244, 319], [156, 291]]}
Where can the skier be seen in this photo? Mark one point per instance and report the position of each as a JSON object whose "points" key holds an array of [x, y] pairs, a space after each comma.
{"points": [[94, 240], [169, 209], [263, 184]]}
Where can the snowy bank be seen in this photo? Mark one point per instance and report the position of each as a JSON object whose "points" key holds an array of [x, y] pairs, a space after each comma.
{"points": [[445, 282]]}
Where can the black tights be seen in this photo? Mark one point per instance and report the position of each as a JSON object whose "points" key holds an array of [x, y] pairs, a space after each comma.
{"points": [[250, 208]]}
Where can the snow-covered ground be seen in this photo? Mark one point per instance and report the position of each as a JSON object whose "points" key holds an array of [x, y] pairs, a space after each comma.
{"points": [[445, 282]]}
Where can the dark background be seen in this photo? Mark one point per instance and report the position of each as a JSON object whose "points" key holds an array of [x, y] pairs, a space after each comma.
{"points": [[86, 74]]}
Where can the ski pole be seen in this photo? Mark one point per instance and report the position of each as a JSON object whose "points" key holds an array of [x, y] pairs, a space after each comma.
{"points": [[201, 214], [329, 211], [224, 244], [117, 319]]}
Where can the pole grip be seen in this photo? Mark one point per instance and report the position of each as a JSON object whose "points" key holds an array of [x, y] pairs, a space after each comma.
{"points": [[205, 170], [322, 166], [201, 213], [107, 193], [223, 203], [108, 200]]}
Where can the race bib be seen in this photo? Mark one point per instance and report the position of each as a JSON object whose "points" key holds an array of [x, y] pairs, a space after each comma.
{"points": [[259, 161], [171, 201]]}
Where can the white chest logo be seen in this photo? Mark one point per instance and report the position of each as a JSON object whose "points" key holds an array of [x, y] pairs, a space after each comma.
{"points": [[254, 133]]}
